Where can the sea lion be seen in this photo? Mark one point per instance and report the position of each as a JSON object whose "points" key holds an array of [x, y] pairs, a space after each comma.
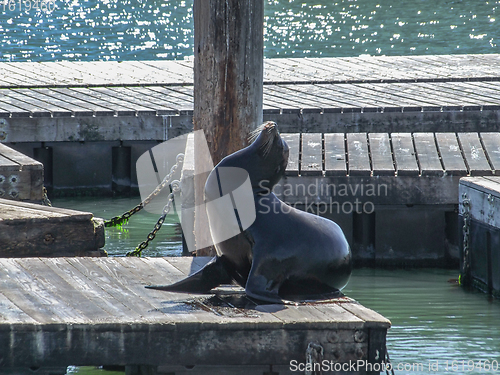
{"points": [[285, 253]]}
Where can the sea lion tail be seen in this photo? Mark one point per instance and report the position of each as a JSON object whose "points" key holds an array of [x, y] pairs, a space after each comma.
{"points": [[210, 276]]}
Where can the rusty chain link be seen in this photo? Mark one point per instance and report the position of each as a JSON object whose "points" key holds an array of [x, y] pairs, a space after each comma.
{"points": [[123, 219], [464, 278], [175, 188]]}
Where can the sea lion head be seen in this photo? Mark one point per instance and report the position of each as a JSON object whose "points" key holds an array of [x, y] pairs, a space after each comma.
{"points": [[271, 156]]}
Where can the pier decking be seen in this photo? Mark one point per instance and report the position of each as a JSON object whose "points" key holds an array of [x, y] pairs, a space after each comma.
{"points": [[145, 100], [72, 115], [21, 177], [29, 230], [57, 312]]}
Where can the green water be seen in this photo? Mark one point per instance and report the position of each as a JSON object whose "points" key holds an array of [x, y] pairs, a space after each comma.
{"points": [[119, 241], [434, 322], [88, 30]]}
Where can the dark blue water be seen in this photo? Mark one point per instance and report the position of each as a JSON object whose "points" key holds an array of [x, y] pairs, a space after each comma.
{"points": [[89, 30]]}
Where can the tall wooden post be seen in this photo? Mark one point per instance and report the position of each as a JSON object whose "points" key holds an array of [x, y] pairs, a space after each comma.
{"points": [[228, 76]]}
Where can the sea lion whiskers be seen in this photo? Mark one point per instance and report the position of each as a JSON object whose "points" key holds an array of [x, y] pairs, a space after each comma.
{"points": [[268, 127]]}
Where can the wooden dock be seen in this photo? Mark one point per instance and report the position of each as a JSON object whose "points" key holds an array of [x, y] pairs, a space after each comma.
{"points": [[21, 177], [57, 312], [370, 182], [34, 230], [75, 116], [146, 100], [480, 233]]}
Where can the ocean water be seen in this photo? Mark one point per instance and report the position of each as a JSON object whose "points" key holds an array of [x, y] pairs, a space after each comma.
{"points": [[89, 30]]}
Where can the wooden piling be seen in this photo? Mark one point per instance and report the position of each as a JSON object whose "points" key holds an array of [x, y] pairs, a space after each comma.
{"points": [[228, 80]]}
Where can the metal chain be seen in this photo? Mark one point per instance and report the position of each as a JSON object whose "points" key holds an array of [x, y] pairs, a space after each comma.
{"points": [[45, 199], [314, 354], [389, 369], [175, 188], [465, 275], [123, 219]]}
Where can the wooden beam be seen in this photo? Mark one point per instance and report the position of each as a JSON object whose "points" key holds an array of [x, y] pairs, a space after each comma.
{"points": [[228, 80], [228, 72]]}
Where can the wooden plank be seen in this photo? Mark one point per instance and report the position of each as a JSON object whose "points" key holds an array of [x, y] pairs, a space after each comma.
{"points": [[457, 91], [357, 154], [303, 99], [335, 154], [24, 104], [491, 142], [10, 312], [311, 163], [93, 290], [9, 109], [53, 283], [120, 97], [120, 107], [319, 94], [58, 301], [404, 154], [27, 73], [293, 142], [29, 293], [381, 154], [346, 93], [474, 154], [277, 97], [178, 96], [451, 155], [161, 106], [370, 317], [397, 98], [77, 107], [427, 154], [28, 229], [120, 293], [24, 162], [55, 106], [85, 100], [489, 91]]}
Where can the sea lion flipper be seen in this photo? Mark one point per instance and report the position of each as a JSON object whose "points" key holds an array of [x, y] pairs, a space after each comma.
{"points": [[261, 288], [210, 276]]}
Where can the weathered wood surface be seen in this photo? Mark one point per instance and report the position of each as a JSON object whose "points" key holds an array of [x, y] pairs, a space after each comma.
{"points": [[228, 76], [29, 230], [96, 311], [96, 101], [403, 154], [299, 98], [21, 177], [228, 72], [374, 69], [428, 166], [484, 195]]}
